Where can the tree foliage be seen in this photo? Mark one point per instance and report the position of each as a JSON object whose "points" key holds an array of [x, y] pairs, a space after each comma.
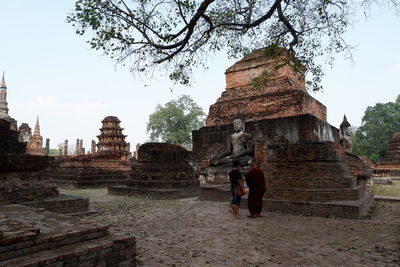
{"points": [[378, 125], [174, 122], [177, 35]]}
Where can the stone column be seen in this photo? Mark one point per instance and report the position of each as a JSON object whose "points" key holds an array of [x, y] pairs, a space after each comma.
{"points": [[77, 147], [60, 152], [93, 148], [47, 148], [80, 147], [66, 147]]}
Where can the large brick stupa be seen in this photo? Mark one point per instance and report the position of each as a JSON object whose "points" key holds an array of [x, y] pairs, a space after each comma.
{"points": [[297, 148]]}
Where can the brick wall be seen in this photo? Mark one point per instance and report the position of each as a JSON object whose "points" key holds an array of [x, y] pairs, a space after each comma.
{"points": [[207, 141], [9, 140]]}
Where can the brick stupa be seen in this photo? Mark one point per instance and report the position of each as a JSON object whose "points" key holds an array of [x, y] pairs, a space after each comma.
{"points": [[298, 150], [390, 164], [282, 96]]}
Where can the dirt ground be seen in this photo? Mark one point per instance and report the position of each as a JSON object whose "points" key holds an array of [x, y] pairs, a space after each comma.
{"points": [[190, 232]]}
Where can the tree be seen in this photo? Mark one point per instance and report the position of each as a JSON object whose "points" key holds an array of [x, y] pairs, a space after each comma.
{"points": [[174, 122], [378, 125], [177, 35]]}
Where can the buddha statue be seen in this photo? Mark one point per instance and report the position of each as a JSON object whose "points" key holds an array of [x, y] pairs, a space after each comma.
{"points": [[239, 146], [345, 140]]}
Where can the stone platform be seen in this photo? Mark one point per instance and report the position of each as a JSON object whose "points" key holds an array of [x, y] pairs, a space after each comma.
{"points": [[34, 237], [162, 171], [153, 193], [89, 171], [342, 209], [390, 163], [61, 204]]}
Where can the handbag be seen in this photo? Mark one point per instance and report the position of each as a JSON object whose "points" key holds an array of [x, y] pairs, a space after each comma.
{"points": [[240, 191]]}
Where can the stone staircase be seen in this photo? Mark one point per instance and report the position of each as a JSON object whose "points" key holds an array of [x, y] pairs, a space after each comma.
{"points": [[34, 237]]}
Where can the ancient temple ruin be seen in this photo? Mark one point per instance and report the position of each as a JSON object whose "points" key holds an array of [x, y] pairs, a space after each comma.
{"points": [[32, 236], [298, 150], [25, 133], [162, 171], [4, 106], [107, 166], [389, 166], [111, 139], [35, 143]]}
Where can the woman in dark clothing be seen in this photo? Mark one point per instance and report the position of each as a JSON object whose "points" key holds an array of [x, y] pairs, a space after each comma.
{"points": [[236, 179], [256, 182]]}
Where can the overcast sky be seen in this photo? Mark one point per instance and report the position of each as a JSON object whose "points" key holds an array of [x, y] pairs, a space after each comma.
{"points": [[52, 73]]}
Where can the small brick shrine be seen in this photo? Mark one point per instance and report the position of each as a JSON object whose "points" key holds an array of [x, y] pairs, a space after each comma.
{"points": [[162, 171], [389, 166], [304, 164], [35, 143]]}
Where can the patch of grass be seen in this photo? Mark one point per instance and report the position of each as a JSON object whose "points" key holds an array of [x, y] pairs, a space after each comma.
{"points": [[390, 190]]}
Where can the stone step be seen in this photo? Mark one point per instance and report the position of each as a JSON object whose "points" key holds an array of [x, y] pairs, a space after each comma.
{"points": [[90, 176], [162, 184], [19, 238], [88, 184], [341, 209], [61, 204], [306, 169], [108, 250], [210, 192], [312, 182], [161, 176], [145, 167], [319, 195], [154, 193]]}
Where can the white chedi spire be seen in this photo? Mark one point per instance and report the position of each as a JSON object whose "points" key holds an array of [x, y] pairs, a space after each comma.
{"points": [[3, 100], [3, 82]]}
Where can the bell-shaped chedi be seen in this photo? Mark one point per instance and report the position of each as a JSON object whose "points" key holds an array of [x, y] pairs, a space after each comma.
{"points": [[111, 140], [390, 164], [262, 87]]}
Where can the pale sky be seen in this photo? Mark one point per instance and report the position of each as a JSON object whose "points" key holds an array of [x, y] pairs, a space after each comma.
{"points": [[52, 73]]}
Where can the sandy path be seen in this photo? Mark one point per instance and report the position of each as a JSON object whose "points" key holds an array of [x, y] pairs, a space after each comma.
{"points": [[190, 232]]}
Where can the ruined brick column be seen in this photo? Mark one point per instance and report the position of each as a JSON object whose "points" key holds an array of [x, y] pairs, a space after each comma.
{"points": [[77, 147], [47, 148], [66, 147], [81, 152], [93, 148]]}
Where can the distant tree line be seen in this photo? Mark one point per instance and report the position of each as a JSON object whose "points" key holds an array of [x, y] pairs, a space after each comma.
{"points": [[378, 125]]}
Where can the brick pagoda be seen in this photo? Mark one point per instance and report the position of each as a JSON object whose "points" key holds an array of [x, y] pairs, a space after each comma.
{"points": [[111, 139], [298, 150], [389, 166]]}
